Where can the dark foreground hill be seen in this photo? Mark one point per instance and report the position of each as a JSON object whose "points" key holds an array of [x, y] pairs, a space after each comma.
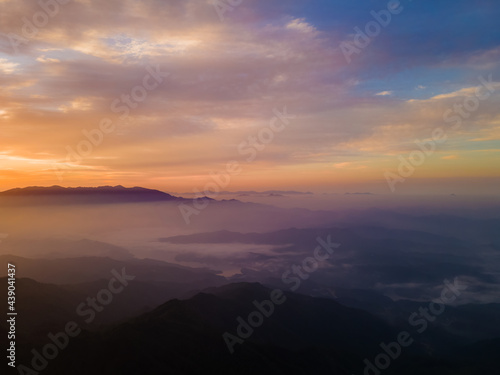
{"points": [[302, 335]]}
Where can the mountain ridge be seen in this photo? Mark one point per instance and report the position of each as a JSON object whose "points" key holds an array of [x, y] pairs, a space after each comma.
{"points": [[99, 194]]}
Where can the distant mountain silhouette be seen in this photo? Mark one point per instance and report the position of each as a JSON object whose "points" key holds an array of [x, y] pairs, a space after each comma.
{"points": [[260, 193], [285, 236], [352, 234], [78, 195]]}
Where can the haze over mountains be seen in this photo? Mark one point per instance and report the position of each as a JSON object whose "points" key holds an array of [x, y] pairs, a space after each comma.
{"points": [[192, 281], [397, 252]]}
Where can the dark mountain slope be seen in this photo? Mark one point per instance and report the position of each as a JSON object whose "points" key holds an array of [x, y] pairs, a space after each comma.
{"points": [[304, 335]]}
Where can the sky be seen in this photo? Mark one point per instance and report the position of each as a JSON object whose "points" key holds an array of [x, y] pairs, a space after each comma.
{"points": [[319, 95]]}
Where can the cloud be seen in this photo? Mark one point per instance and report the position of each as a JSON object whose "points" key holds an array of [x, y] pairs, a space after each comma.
{"points": [[467, 91], [44, 59], [8, 67], [342, 165], [226, 80]]}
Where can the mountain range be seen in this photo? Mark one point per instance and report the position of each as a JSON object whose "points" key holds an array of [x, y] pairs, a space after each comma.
{"points": [[85, 195]]}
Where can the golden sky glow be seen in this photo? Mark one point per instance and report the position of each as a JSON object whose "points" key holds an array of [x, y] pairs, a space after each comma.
{"points": [[226, 81]]}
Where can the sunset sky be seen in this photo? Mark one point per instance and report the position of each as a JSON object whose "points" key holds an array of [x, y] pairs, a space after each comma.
{"points": [[230, 70]]}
